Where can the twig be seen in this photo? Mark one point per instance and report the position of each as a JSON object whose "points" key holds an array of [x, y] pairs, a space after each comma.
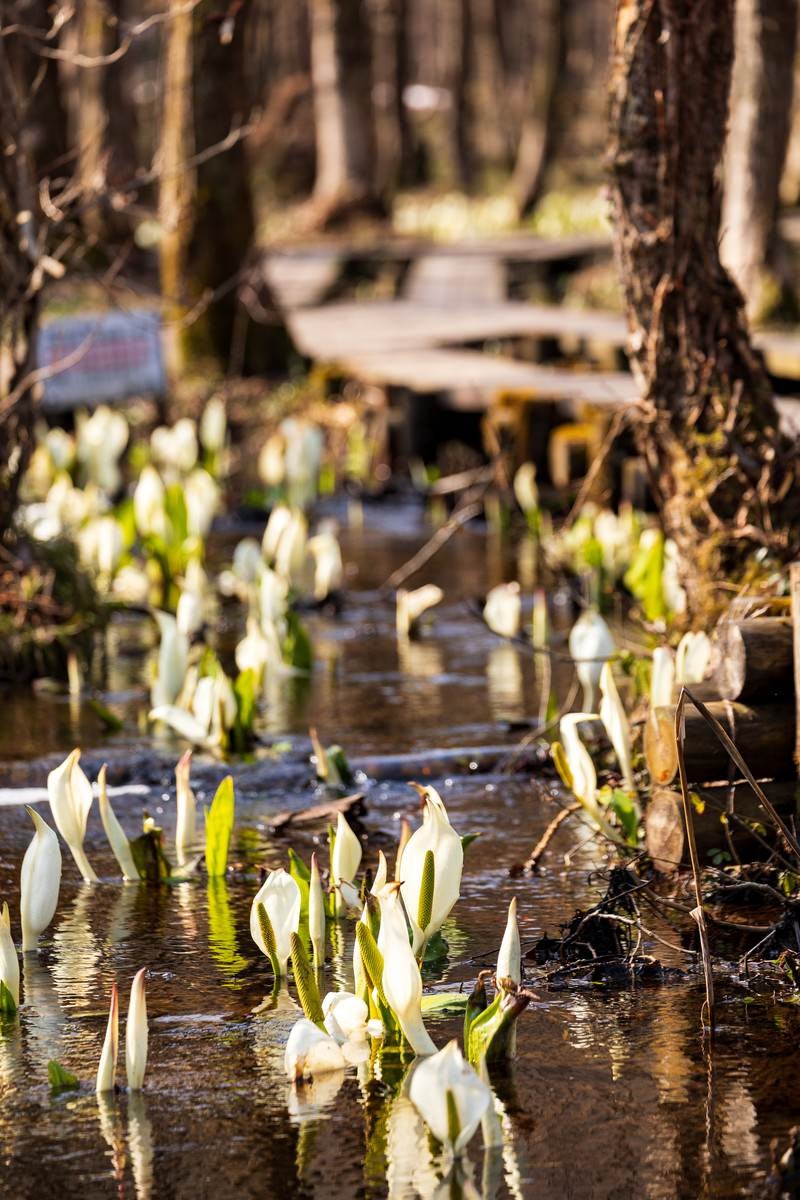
{"points": [[697, 913], [465, 512], [532, 861]]}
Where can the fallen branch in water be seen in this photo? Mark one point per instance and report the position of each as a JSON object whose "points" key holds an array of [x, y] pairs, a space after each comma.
{"points": [[350, 806], [470, 505], [532, 861]]}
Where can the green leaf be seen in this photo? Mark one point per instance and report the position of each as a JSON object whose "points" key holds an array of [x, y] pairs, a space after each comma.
{"points": [[296, 648], [339, 772], [301, 874], [175, 508], [475, 1004], [7, 1006], [561, 765], [468, 838], [61, 1080], [245, 689], [219, 828], [426, 890], [306, 982], [444, 1002], [110, 721]]}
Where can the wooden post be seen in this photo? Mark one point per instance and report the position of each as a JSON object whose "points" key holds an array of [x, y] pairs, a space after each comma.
{"points": [[794, 588]]}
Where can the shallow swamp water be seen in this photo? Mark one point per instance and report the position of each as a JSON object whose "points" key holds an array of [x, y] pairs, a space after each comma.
{"points": [[611, 1094]]}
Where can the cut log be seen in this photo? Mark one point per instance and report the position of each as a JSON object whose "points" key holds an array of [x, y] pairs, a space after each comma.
{"points": [[765, 737], [753, 659], [665, 836]]}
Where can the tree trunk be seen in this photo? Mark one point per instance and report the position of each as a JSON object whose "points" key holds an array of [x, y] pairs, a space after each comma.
{"points": [[20, 285], [43, 115], [341, 72], [761, 106], [536, 136], [723, 477], [487, 116], [393, 141], [455, 165], [206, 210]]}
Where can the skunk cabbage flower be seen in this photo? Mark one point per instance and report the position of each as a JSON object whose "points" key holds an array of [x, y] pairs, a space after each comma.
{"points": [[189, 613], [509, 960], [525, 488], [316, 915], [247, 560], [70, 800], [401, 980], [100, 546], [281, 899], [148, 504], [502, 610], [40, 879], [173, 659], [615, 720], [136, 1033], [303, 446], [328, 569], [290, 552], [107, 1068], [186, 824], [590, 644], [346, 860], [117, 839], [311, 1052], [9, 963], [450, 1097], [280, 518], [579, 760], [174, 447], [202, 496], [411, 606], [663, 677], [437, 836], [258, 649], [347, 1018], [213, 425], [271, 467], [101, 438], [692, 658]]}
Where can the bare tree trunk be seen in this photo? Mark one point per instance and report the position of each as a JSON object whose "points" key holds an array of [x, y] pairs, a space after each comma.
{"points": [[341, 71], [488, 122], [20, 285], [724, 479], [456, 167], [393, 141], [206, 210], [761, 106], [536, 136], [43, 114]]}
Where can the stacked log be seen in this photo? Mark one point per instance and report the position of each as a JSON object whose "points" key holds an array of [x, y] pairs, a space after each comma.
{"points": [[750, 691]]}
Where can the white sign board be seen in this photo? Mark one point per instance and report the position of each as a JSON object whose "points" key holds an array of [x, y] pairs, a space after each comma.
{"points": [[99, 358]]}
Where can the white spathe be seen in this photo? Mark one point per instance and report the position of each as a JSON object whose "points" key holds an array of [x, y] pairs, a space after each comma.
{"points": [[173, 660], [9, 963], [70, 796], [328, 567], [117, 838], [311, 1052], [136, 1033], [107, 1067], [693, 657], [280, 896], [316, 914], [448, 1074], [591, 643], [502, 610], [402, 982], [579, 760], [615, 720], [509, 960], [214, 425], [662, 680], [40, 879], [347, 1018], [346, 853], [411, 605], [435, 834], [202, 496], [148, 504], [186, 823]]}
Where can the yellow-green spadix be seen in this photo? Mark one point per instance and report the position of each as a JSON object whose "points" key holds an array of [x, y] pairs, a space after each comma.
{"points": [[450, 1097], [70, 796], [40, 879]]}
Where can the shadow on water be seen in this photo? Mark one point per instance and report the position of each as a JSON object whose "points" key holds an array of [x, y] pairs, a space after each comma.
{"points": [[612, 1093]]}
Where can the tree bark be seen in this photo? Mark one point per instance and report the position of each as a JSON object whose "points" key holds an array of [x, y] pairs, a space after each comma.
{"points": [[20, 287], [723, 477], [43, 114], [341, 72], [487, 116], [536, 135], [761, 107], [206, 210], [456, 166], [393, 140]]}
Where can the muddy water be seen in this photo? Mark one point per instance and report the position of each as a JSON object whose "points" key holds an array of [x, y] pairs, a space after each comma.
{"points": [[611, 1094]]}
